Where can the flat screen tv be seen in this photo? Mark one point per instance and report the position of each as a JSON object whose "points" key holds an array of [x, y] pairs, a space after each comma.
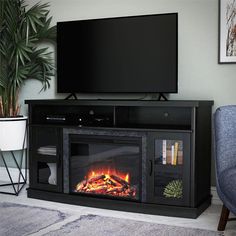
{"points": [[136, 54]]}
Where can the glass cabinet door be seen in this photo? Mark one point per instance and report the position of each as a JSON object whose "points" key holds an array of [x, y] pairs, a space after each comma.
{"points": [[46, 158], [170, 176]]}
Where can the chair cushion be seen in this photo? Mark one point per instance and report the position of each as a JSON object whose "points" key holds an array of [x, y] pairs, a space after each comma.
{"points": [[227, 183]]}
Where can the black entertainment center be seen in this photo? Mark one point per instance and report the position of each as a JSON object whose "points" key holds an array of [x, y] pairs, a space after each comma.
{"points": [[124, 155]]}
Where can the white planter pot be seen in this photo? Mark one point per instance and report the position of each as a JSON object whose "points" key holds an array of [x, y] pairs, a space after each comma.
{"points": [[13, 133]]}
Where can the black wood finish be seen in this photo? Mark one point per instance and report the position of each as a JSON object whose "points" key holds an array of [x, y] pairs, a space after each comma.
{"points": [[116, 102], [186, 121], [156, 209]]}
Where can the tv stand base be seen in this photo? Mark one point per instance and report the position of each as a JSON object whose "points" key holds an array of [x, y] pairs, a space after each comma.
{"points": [[137, 207]]}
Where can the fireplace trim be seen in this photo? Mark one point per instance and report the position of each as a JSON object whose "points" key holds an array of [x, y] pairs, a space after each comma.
{"points": [[90, 132]]}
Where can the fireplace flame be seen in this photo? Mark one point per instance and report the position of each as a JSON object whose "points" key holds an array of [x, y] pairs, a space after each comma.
{"points": [[108, 173], [107, 182], [127, 178]]}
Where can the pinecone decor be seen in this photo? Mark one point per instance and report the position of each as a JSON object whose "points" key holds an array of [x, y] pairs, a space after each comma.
{"points": [[174, 189]]}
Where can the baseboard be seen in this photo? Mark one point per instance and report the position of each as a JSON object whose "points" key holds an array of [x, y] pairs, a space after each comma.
{"points": [[215, 198], [14, 174]]}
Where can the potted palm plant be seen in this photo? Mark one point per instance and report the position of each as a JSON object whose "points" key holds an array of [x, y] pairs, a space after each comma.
{"points": [[22, 57]]}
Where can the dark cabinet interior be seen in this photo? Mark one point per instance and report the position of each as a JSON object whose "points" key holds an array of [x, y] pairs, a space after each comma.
{"points": [[170, 182], [45, 161]]}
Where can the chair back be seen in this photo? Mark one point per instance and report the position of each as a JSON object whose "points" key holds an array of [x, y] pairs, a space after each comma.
{"points": [[225, 137]]}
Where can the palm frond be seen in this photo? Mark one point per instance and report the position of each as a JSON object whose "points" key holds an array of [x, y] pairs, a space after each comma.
{"points": [[21, 59], [47, 32], [42, 66], [12, 16], [35, 15], [3, 79]]}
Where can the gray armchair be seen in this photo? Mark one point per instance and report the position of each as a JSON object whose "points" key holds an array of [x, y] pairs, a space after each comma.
{"points": [[225, 154]]}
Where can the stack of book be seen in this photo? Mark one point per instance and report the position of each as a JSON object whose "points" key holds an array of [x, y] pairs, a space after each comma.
{"points": [[47, 150], [170, 152]]}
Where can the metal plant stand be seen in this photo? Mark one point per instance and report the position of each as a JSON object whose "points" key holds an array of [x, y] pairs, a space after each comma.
{"points": [[22, 176]]}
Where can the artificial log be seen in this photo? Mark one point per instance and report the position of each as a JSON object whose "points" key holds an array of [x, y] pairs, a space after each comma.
{"points": [[96, 178], [106, 185], [117, 189], [119, 180]]}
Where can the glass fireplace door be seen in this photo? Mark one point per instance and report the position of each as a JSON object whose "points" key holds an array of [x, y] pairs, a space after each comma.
{"points": [[105, 166]]}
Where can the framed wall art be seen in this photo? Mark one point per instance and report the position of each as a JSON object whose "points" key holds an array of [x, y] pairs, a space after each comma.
{"points": [[227, 31]]}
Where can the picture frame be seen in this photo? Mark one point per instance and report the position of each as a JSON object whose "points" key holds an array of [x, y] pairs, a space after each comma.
{"points": [[227, 31]]}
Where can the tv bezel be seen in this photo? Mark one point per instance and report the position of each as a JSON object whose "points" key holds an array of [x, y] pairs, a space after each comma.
{"points": [[59, 90]]}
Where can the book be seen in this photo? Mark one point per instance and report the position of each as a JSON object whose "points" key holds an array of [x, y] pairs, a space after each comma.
{"points": [[164, 152], [176, 147], [180, 157], [47, 150], [168, 156], [172, 154]]}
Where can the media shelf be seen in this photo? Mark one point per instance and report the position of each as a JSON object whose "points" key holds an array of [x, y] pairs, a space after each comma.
{"points": [[158, 151]]}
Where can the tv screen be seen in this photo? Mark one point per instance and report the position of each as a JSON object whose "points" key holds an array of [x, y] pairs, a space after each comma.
{"points": [[135, 54]]}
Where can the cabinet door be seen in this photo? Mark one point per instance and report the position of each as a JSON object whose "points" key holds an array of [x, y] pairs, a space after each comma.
{"points": [[169, 176], [45, 158]]}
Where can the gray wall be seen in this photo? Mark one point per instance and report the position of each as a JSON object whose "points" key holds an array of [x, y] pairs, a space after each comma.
{"points": [[200, 75]]}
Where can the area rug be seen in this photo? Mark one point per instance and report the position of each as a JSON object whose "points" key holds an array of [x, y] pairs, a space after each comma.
{"points": [[19, 220], [24, 220], [94, 225]]}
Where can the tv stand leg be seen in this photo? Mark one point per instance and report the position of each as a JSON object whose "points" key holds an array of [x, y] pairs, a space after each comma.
{"points": [[72, 95], [159, 97]]}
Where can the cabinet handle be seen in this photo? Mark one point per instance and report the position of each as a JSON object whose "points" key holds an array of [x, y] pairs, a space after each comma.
{"points": [[51, 118], [151, 167]]}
